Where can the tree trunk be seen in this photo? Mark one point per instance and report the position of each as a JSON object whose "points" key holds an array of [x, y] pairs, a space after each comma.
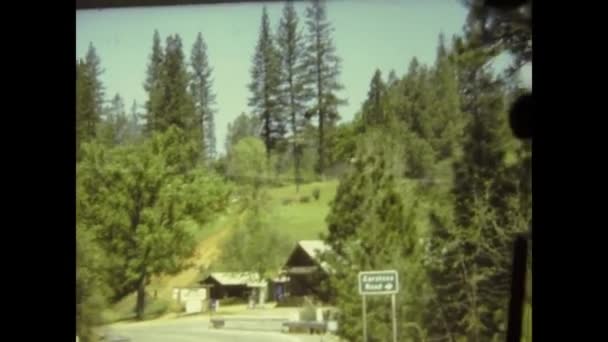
{"points": [[141, 298]]}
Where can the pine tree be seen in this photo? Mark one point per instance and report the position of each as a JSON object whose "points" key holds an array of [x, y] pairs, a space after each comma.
{"points": [[152, 83], [89, 98], [113, 130], [204, 99], [174, 104], [133, 125], [371, 227], [392, 79], [374, 107], [507, 29], [265, 87], [323, 69], [93, 66], [84, 107], [472, 239], [447, 119], [294, 89]]}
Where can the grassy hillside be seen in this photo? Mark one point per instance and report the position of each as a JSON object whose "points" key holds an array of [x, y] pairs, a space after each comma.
{"points": [[302, 221]]}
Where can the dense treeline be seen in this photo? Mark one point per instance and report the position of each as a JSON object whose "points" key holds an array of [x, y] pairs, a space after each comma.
{"points": [[438, 189], [143, 189]]}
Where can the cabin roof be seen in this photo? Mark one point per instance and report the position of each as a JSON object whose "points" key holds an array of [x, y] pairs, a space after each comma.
{"points": [[249, 279]]}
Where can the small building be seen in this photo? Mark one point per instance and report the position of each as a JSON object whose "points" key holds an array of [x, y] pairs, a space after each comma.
{"points": [[182, 294], [194, 299], [305, 270], [242, 285]]}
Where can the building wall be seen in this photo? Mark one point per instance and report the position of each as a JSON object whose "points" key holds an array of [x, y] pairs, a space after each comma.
{"points": [[184, 294]]}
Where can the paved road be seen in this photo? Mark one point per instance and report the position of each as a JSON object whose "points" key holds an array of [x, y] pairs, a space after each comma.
{"points": [[197, 329]]}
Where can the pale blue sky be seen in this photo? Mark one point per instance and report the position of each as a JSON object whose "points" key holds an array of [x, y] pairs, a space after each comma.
{"points": [[383, 34]]}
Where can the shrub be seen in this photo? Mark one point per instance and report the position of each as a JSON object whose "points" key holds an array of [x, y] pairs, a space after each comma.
{"points": [[304, 199], [291, 301], [287, 201], [156, 307], [316, 193], [308, 313], [233, 301]]}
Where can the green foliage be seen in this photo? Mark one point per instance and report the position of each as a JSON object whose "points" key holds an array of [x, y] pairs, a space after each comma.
{"points": [[243, 126], [204, 99], [265, 100], [322, 69], [469, 254], [89, 98], [139, 201], [503, 29], [233, 301], [91, 291], [316, 192], [372, 227], [374, 108], [152, 84], [308, 313], [419, 156], [304, 199], [169, 101], [114, 129], [157, 307], [93, 69], [295, 90], [246, 162], [248, 246]]}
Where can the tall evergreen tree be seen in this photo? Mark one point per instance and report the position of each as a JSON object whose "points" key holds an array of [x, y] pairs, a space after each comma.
{"points": [[204, 99], [133, 126], [171, 101], [294, 89], [323, 69], [89, 97], [392, 78], [86, 117], [152, 83], [472, 240], [265, 99], [371, 227], [93, 66], [447, 119], [113, 130], [374, 107]]}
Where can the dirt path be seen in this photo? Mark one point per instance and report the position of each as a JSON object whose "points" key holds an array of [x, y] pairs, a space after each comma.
{"points": [[205, 253]]}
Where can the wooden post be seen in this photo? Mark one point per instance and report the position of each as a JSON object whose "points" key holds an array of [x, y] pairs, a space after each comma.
{"points": [[394, 317], [364, 319]]}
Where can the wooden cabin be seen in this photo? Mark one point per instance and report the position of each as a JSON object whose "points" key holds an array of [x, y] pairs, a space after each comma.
{"points": [[235, 285], [305, 270]]}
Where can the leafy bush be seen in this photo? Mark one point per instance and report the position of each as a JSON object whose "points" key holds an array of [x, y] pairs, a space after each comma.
{"points": [[156, 307], [304, 199], [291, 302], [287, 201], [233, 301], [308, 313], [177, 307], [316, 193]]}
